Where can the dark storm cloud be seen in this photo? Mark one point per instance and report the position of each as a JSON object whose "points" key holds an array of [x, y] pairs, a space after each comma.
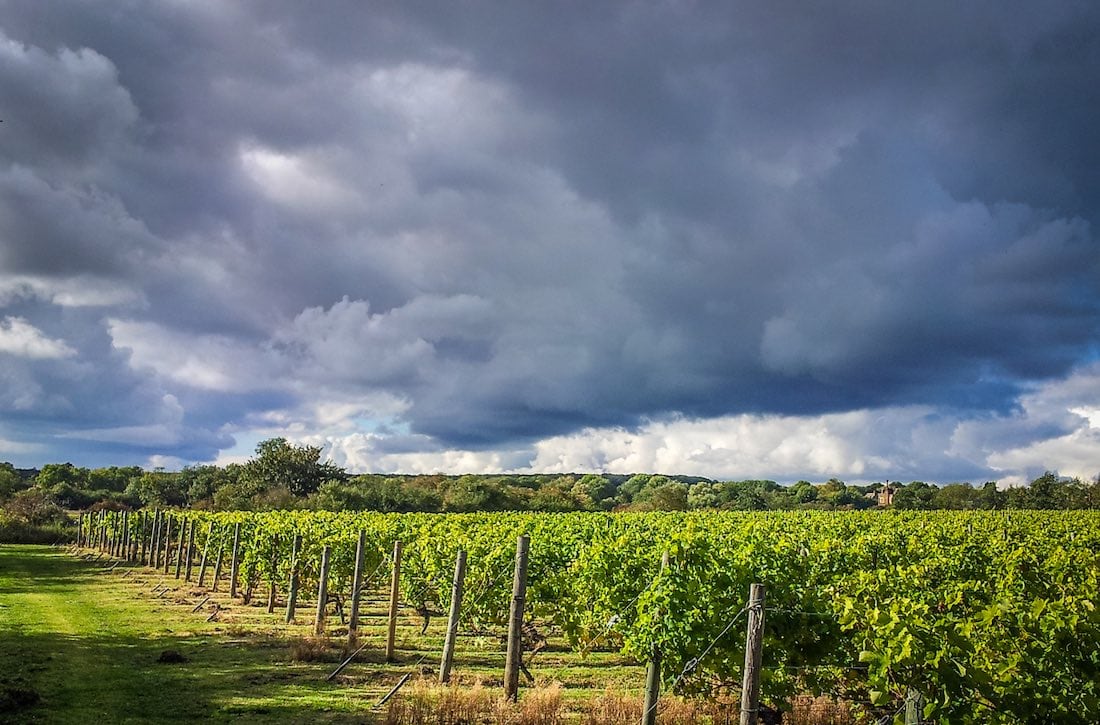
{"points": [[513, 221]]}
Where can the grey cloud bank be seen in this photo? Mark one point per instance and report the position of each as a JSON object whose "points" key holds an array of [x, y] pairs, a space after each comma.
{"points": [[725, 239]]}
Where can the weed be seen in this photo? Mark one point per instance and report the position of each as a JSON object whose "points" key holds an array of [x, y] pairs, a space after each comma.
{"points": [[318, 649]]}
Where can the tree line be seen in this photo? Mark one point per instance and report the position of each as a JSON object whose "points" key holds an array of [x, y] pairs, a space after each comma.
{"points": [[285, 476]]}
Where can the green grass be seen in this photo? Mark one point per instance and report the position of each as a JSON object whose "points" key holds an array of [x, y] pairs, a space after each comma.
{"points": [[86, 641]]}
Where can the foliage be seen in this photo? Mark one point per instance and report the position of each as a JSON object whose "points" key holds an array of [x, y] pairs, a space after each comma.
{"points": [[283, 475], [31, 517], [990, 616], [33, 508], [10, 481], [298, 469]]}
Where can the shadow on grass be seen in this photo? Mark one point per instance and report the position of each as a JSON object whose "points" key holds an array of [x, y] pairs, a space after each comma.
{"points": [[114, 679], [35, 568], [59, 666]]}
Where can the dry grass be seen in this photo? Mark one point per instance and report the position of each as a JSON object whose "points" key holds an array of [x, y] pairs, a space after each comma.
{"points": [[430, 704], [819, 711], [426, 703], [318, 649]]}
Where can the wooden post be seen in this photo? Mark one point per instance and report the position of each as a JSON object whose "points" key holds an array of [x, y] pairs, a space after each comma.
{"points": [[109, 533], [356, 586], [395, 593], [914, 708], [142, 544], [143, 539], [754, 650], [271, 579], [322, 593], [218, 565], [452, 619], [167, 540], [190, 550], [154, 545], [653, 673], [186, 545], [205, 552], [132, 536], [235, 560], [124, 537], [79, 529], [292, 584], [514, 661], [136, 536]]}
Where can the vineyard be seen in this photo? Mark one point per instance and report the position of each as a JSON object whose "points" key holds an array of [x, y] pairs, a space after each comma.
{"points": [[949, 617]]}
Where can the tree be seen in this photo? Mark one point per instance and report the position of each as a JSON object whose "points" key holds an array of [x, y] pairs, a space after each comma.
{"points": [[200, 483], [158, 488], [990, 497], [915, 495], [957, 496], [471, 493], [632, 486], [34, 508], [594, 491], [705, 496], [298, 469], [10, 482], [54, 474], [666, 496], [114, 479], [803, 492]]}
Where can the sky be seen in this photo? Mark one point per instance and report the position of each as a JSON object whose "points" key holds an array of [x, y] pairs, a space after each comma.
{"points": [[777, 239]]}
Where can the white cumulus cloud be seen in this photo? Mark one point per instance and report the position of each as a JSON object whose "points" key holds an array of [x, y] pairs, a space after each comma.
{"points": [[22, 339]]}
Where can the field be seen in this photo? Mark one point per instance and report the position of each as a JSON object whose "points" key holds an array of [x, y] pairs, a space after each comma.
{"points": [[82, 642], [949, 617]]}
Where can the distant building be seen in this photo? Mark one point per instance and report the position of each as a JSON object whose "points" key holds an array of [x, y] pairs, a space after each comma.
{"points": [[884, 496]]}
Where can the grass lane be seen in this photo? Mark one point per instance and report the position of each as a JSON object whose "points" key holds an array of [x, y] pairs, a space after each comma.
{"points": [[79, 641]]}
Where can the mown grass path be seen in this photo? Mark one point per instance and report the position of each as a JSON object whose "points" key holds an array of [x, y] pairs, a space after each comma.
{"points": [[74, 639]]}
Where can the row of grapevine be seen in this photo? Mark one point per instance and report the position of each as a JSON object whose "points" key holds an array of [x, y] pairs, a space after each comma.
{"points": [[989, 616]]}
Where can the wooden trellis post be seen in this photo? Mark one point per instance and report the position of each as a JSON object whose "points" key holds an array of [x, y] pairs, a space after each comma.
{"points": [[356, 587], [653, 674], [322, 592], [235, 560], [218, 565], [271, 579], [205, 552], [514, 659], [452, 619], [395, 593], [167, 540], [154, 545], [292, 585], [754, 650], [190, 549]]}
